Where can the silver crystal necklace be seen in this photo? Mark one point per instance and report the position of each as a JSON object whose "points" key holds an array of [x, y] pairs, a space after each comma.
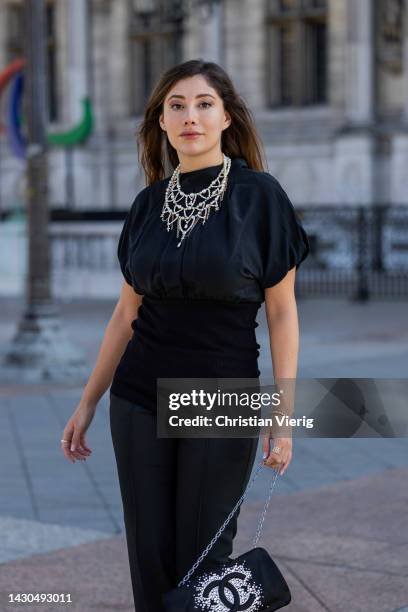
{"points": [[185, 209]]}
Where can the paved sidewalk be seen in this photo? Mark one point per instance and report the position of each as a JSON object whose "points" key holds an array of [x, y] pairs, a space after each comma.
{"points": [[341, 506], [340, 548]]}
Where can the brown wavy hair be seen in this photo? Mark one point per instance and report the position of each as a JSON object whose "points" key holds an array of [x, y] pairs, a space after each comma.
{"points": [[239, 139]]}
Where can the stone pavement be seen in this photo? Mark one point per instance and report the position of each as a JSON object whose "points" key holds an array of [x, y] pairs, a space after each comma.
{"points": [[337, 524]]}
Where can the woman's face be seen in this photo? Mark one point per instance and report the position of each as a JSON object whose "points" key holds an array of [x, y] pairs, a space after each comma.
{"points": [[192, 105]]}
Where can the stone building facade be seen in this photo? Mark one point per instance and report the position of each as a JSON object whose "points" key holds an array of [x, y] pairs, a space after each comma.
{"points": [[326, 80]]}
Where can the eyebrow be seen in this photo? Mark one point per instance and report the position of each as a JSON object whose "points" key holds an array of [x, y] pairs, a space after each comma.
{"points": [[203, 95]]}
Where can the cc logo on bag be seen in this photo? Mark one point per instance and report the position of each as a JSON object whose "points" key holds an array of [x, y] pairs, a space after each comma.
{"points": [[235, 590]]}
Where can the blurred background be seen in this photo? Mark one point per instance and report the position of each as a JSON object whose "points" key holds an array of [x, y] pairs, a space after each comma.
{"points": [[327, 83]]}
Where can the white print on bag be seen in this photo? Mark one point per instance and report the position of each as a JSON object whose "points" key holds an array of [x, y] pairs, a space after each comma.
{"points": [[233, 589]]}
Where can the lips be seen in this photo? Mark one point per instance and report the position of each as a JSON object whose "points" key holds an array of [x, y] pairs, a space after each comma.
{"points": [[190, 134]]}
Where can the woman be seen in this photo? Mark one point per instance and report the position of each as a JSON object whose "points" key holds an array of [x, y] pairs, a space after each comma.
{"points": [[196, 270]]}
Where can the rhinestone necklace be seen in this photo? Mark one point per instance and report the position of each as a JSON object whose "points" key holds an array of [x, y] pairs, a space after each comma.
{"points": [[186, 209]]}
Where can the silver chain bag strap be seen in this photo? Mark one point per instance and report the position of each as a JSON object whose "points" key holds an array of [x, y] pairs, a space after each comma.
{"points": [[251, 582]]}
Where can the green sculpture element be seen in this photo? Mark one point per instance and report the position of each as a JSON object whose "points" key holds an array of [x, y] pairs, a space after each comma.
{"points": [[80, 132]]}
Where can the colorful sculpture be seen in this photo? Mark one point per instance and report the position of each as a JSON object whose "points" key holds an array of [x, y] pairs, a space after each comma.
{"points": [[76, 135]]}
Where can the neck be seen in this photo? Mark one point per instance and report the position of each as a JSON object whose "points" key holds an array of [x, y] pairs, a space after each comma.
{"points": [[190, 163]]}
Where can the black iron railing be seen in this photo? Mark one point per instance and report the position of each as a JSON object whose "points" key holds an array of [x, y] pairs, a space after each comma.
{"points": [[356, 251]]}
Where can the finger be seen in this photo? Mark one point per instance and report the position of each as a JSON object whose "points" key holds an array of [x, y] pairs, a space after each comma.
{"points": [[82, 450], [284, 467], [66, 441], [274, 465], [74, 452], [78, 455], [265, 446], [75, 448], [283, 449], [66, 446], [67, 436], [67, 454], [285, 458], [84, 444], [282, 464], [274, 459]]}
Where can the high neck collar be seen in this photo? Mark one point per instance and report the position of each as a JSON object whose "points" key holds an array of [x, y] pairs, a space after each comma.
{"points": [[208, 169], [211, 171]]}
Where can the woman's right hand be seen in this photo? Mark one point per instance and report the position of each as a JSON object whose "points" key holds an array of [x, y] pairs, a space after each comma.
{"points": [[73, 442]]}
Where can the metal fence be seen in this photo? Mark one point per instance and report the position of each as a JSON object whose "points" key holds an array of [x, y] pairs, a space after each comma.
{"points": [[356, 251]]}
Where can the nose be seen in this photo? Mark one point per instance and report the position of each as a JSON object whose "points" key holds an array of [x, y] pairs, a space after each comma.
{"points": [[189, 115]]}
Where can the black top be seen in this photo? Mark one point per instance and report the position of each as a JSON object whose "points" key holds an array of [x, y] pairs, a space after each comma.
{"points": [[197, 318]]}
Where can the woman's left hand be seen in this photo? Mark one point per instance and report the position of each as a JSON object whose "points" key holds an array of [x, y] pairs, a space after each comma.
{"points": [[281, 456]]}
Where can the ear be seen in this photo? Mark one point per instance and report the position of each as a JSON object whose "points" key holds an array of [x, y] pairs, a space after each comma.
{"points": [[161, 123], [227, 120]]}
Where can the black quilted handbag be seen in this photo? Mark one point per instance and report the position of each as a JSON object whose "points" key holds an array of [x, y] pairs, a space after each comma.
{"points": [[251, 582]]}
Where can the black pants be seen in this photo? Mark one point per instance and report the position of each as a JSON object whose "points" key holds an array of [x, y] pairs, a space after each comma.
{"points": [[176, 493]]}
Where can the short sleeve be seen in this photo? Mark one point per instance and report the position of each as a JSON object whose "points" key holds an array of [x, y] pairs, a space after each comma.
{"points": [[285, 243], [133, 219], [122, 251]]}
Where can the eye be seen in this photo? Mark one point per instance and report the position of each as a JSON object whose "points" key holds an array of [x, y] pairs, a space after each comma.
{"points": [[179, 105]]}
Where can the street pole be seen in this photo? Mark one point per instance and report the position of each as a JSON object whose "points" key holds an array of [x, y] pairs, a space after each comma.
{"points": [[38, 277], [39, 351]]}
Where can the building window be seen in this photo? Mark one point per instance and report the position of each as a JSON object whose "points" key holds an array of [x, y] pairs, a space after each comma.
{"points": [[390, 19], [156, 31], [14, 44], [296, 52]]}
